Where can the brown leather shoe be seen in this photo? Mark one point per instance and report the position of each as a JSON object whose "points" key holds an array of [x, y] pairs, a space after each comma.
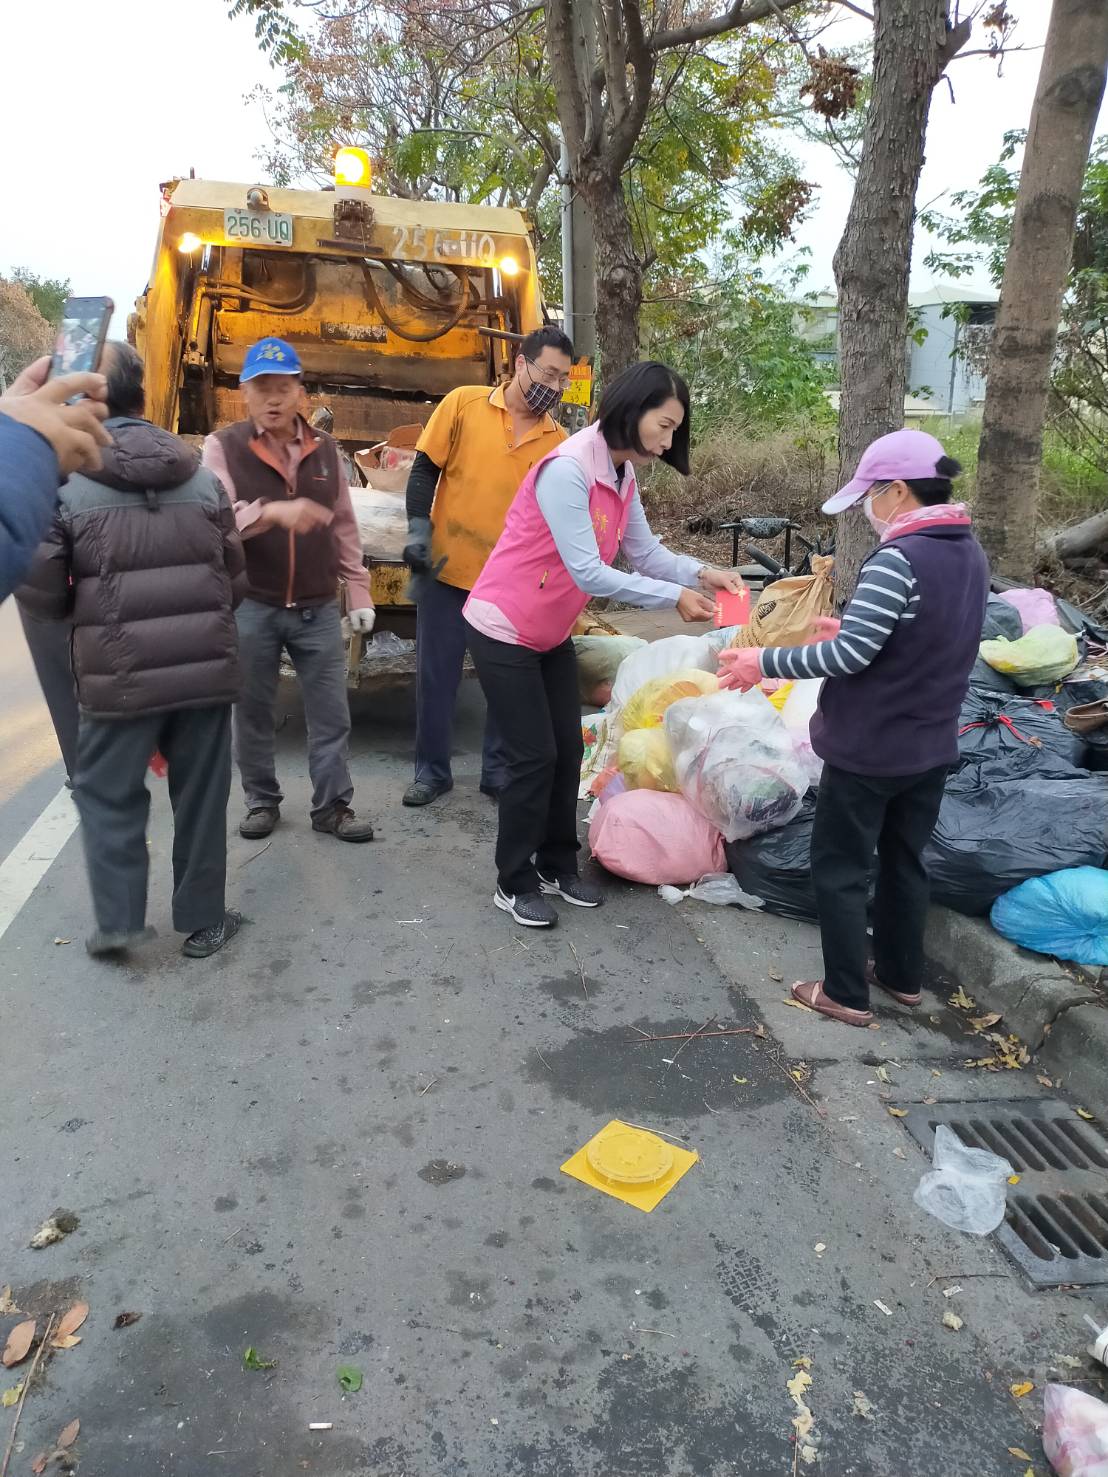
{"points": [[259, 821], [341, 821], [1087, 717], [873, 982]]}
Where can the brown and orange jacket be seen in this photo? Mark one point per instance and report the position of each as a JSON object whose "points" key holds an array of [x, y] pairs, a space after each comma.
{"points": [[144, 557]]}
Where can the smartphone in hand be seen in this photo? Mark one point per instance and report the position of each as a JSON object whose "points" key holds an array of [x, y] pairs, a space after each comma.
{"points": [[80, 340]]}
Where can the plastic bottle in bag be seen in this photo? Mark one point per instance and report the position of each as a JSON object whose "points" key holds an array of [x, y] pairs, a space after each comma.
{"points": [[966, 1189]]}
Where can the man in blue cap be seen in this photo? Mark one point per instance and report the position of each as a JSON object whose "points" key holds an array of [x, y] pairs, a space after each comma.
{"points": [[293, 509]]}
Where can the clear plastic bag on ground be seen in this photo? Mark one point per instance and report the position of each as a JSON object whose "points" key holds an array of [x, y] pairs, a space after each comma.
{"points": [[660, 659], [645, 760], [1064, 915], [1075, 1432], [966, 1189], [1045, 654], [719, 888], [736, 762], [647, 705], [648, 836]]}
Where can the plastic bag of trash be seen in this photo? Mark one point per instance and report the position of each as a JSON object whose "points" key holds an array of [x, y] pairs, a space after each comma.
{"points": [[387, 654], [993, 723], [1035, 607], [382, 522], [1045, 654], [1075, 1432], [648, 836], [660, 659], [1001, 619], [598, 661], [777, 866], [1064, 914], [966, 1188], [719, 888], [735, 760], [647, 706], [645, 760], [1006, 819]]}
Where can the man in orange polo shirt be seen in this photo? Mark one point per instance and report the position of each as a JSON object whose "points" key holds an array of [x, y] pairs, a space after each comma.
{"points": [[476, 450]]}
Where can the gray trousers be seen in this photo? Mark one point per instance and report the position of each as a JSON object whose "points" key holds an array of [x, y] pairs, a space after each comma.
{"points": [[48, 643], [313, 639], [114, 805]]}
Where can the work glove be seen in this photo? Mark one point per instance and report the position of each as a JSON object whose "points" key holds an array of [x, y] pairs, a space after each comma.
{"points": [[417, 552], [740, 668], [359, 622]]}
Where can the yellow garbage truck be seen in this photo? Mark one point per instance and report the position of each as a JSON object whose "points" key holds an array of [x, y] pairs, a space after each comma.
{"points": [[390, 303]]}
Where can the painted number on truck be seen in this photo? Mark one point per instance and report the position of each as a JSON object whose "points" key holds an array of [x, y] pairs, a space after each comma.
{"points": [[416, 243]]}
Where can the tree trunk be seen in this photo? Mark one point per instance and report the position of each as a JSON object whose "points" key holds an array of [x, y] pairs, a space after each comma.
{"points": [[1081, 538], [912, 44], [1063, 116], [619, 272]]}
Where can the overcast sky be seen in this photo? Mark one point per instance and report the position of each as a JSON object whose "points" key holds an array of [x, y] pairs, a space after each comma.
{"points": [[145, 89]]}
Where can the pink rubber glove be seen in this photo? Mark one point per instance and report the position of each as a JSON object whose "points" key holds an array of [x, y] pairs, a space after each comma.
{"points": [[740, 668], [823, 628]]}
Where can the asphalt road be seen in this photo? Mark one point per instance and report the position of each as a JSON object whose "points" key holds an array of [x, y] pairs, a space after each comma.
{"points": [[339, 1142]]}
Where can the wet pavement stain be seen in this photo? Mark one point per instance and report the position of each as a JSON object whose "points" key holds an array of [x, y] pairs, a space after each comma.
{"points": [[566, 988], [608, 1072], [441, 1172]]}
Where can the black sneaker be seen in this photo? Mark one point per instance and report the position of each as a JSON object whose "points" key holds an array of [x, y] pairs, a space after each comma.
{"points": [[102, 945], [207, 941], [422, 792], [572, 890], [258, 822], [530, 909]]}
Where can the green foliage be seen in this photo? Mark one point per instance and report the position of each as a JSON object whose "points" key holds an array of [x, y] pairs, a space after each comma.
{"points": [[47, 293], [737, 340]]}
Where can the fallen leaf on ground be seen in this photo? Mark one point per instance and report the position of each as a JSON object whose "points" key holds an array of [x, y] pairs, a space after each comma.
{"points": [[38, 1466], [897, 1112], [961, 1001], [19, 1343], [742, 1081], [9, 1397], [1022, 1388], [1019, 1453], [802, 1363], [898, 1153], [350, 1378], [760, 1031], [801, 1072], [799, 1005], [983, 1022], [69, 1434], [6, 1304], [63, 941], [1044, 1081], [776, 975], [1067, 1361], [124, 1320], [952, 1321], [59, 1225], [882, 1075], [67, 1341], [819, 1248], [1014, 1179], [862, 1406], [929, 1100], [800, 1383], [877, 1303], [1084, 1113], [251, 1359], [71, 1321]]}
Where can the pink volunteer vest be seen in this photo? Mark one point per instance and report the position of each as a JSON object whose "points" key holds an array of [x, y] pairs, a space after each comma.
{"points": [[524, 576]]}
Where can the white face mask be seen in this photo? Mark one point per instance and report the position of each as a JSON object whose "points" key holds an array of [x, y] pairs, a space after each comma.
{"points": [[879, 525]]}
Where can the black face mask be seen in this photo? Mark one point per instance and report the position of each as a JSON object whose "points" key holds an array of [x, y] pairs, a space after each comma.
{"points": [[540, 398]]}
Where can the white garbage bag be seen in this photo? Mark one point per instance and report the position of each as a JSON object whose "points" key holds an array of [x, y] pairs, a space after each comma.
{"points": [[966, 1189]]}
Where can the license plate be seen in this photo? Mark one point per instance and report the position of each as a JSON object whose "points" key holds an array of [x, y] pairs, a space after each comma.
{"points": [[262, 227]]}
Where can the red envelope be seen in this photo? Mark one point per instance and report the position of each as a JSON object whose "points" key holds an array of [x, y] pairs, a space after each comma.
{"points": [[732, 610]]}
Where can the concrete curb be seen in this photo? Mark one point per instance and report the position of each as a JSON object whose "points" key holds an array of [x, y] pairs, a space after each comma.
{"points": [[1060, 1020]]}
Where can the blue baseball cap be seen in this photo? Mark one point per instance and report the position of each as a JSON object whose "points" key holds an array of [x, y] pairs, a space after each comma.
{"points": [[269, 356]]}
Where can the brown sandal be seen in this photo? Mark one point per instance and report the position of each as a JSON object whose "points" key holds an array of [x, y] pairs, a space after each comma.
{"points": [[900, 995], [810, 993]]}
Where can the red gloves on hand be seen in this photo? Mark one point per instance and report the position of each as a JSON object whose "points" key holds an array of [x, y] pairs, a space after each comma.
{"points": [[740, 668]]}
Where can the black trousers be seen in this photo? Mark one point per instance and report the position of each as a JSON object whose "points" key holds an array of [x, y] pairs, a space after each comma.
{"points": [[856, 816], [441, 633], [533, 701], [114, 804]]}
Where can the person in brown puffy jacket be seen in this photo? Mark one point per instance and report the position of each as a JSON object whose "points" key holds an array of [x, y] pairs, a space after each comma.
{"points": [[144, 559]]}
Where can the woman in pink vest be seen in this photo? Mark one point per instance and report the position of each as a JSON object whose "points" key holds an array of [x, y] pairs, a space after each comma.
{"points": [[575, 511]]}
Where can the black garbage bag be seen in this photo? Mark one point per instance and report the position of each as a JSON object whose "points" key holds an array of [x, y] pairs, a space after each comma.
{"points": [[1001, 619], [1003, 820], [781, 863], [993, 723]]}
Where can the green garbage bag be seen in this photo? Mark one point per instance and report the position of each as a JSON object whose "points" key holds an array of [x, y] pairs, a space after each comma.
{"points": [[1045, 654]]}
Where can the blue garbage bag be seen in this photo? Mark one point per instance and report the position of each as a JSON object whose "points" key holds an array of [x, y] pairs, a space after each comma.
{"points": [[1064, 914]]}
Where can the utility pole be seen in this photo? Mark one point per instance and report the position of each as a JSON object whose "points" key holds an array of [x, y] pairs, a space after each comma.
{"points": [[578, 266]]}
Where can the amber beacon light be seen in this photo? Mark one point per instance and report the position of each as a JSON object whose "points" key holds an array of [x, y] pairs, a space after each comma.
{"points": [[353, 168]]}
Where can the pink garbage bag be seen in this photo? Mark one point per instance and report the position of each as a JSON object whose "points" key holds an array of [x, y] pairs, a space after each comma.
{"points": [[655, 837], [1036, 607], [1075, 1432]]}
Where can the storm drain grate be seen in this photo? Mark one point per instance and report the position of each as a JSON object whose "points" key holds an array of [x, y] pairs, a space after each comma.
{"points": [[1056, 1226]]}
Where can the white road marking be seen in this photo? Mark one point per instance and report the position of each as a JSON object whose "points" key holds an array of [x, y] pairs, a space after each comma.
{"points": [[27, 863]]}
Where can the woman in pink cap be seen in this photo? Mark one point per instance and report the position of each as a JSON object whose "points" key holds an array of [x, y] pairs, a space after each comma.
{"points": [[897, 670]]}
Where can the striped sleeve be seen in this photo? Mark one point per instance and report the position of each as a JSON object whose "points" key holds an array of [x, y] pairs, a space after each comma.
{"points": [[887, 593]]}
